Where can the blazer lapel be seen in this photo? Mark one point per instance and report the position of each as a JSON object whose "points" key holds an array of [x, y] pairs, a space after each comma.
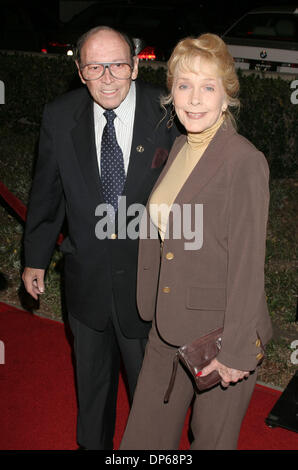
{"points": [[207, 166], [83, 136]]}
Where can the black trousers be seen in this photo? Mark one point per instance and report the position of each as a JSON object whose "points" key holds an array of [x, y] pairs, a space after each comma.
{"points": [[98, 359]]}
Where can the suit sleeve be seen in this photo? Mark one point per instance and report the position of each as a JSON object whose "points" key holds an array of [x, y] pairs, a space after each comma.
{"points": [[246, 301], [46, 210]]}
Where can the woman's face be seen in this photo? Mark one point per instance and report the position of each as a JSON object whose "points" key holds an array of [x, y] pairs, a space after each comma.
{"points": [[199, 98]]}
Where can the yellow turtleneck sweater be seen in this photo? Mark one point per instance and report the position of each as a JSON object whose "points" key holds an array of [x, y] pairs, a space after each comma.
{"points": [[165, 194]]}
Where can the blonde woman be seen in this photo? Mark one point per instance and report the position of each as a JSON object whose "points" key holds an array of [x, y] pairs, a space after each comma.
{"points": [[190, 290]]}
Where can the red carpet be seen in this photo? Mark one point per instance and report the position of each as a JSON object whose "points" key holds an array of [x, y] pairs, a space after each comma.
{"points": [[37, 393]]}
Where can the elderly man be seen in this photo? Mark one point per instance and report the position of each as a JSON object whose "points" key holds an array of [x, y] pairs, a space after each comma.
{"points": [[97, 144]]}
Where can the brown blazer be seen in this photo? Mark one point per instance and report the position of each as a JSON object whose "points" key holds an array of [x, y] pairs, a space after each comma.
{"points": [[221, 283]]}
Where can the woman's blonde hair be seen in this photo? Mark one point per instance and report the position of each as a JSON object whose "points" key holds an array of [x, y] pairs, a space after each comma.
{"points": [[212, 48]]}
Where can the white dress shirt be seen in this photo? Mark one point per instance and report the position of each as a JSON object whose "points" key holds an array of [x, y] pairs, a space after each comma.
{"points": [[123, 123]]}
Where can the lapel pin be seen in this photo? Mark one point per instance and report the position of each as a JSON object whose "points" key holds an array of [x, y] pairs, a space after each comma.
{"points": [[140, 148]]}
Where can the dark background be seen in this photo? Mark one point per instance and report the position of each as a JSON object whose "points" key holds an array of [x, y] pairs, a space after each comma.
{"points": [[218, 15]]}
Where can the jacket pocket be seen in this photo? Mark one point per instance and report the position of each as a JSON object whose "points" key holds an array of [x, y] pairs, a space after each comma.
{"points": [[206, 298]]}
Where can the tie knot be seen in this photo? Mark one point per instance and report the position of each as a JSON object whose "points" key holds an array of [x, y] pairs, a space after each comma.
{"points": [[110, 115]]}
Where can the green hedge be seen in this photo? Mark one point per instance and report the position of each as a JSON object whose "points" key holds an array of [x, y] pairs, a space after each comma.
{"points": [[267, 117]]}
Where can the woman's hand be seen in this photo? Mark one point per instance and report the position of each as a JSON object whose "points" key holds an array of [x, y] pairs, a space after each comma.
{"points": [[227, 374]]}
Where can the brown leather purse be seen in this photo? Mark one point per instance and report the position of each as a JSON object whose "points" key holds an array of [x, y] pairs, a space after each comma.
{"points": [[195, 356]]}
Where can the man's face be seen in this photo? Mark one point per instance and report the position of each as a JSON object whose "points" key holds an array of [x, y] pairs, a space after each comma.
{"points": [[107, 46]]}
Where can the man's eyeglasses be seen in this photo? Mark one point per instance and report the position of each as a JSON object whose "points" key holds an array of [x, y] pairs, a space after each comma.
{"points": [[120, 71]]}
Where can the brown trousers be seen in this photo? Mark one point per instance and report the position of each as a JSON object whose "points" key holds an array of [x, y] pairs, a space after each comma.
{"points": [[216, 416]]}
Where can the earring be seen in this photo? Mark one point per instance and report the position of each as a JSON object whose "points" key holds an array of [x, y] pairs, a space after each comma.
{"points": [[172, 117]]}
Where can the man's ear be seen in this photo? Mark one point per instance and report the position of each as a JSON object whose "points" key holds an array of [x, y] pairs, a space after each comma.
{"points": [[135, 70], [79, 72]]}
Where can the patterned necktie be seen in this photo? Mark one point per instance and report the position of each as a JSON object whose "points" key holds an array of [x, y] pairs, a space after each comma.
{"points": [[111, 162]]}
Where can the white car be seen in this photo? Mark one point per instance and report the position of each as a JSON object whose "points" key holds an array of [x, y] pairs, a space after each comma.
{"points": [[265, 39]]}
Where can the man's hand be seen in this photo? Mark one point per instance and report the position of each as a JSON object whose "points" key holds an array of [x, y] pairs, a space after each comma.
{"points": [[33, 279], [227, 374]]}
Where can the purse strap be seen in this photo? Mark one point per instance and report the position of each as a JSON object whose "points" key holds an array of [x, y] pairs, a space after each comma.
{"points": [[172, 380]]}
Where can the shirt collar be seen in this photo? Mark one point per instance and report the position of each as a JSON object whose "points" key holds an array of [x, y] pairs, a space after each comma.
{"points": [[123, 112]]}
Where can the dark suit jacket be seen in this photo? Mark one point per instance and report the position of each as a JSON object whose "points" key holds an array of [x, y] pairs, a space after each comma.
{"points": [[222, 283], [67, 183]]}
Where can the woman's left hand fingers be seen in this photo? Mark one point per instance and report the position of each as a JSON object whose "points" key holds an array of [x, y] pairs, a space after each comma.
{"points": [[227, 374], [225, 384]]}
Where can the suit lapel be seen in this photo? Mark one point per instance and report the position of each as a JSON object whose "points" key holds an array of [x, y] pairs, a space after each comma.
{"points": [[83, 136], [142, 148]]}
